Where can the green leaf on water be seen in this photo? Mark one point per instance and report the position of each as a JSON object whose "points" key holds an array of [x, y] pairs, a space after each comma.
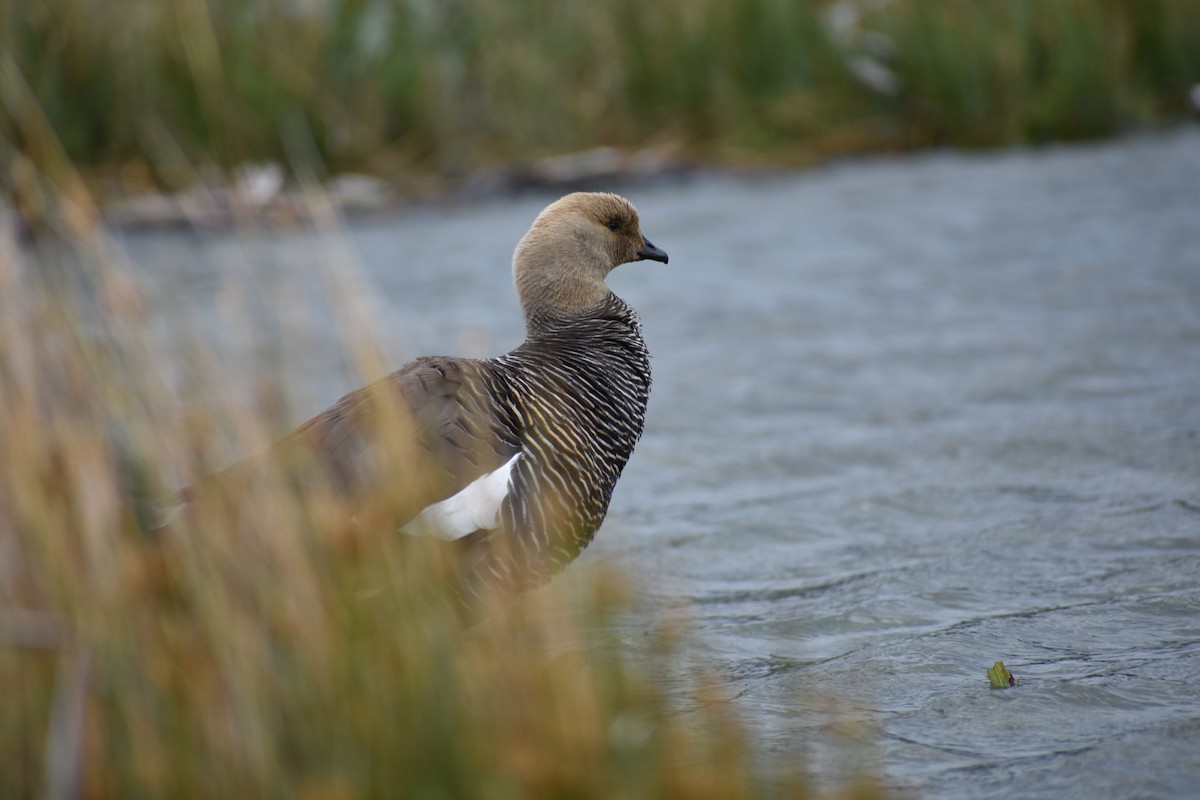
{"points": [[1000, 677]]}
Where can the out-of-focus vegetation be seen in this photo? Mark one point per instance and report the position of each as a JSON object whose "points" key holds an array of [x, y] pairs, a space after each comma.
{"points": [[989, 73], [266, 645], [447, 87]]}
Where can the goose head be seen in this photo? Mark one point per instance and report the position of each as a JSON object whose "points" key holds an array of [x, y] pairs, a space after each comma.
{"points": [[560, 265]]}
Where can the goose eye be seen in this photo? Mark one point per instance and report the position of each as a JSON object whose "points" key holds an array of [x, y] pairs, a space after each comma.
{"points": [[613, 225]]}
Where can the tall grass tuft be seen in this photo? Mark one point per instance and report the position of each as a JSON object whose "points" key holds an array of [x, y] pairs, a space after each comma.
{"points": [[395, 86], [264, 645]]}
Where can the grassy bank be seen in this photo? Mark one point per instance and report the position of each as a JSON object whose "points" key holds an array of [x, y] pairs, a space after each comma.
{"points": [[265, 646], [447, 88]]}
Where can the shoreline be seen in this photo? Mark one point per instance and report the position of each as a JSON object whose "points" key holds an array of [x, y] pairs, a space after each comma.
{"points": [[263, 193]]}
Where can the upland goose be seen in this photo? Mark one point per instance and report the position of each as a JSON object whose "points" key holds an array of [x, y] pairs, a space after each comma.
{"points": [[512, 458]]}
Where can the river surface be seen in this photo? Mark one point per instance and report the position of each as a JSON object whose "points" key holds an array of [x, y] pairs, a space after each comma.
{"points": [[910, 416]]}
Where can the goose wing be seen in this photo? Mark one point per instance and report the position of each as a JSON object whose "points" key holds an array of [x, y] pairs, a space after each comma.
{"points": [[430, 437]]}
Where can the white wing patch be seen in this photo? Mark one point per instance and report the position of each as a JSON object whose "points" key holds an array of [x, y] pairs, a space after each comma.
{"points": [[475, 507]]}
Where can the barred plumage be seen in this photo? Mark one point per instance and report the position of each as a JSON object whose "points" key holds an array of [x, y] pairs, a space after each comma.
{"points": [[513, 458], [580, 387]]}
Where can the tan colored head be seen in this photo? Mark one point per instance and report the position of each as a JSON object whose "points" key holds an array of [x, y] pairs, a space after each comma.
{"points": [[560, 265]]}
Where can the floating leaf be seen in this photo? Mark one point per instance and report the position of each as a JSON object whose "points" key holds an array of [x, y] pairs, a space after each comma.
{"points": [[1000, 677]]}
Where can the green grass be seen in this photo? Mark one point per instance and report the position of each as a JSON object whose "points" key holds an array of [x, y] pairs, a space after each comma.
{"points": [[993, 73], [446, 88]]}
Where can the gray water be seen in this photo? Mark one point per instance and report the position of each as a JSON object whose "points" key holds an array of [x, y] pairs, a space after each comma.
{"points": [[910, 416]]}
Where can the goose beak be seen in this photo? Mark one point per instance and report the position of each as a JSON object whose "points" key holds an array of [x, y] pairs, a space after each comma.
{"points": [[649, 251]]}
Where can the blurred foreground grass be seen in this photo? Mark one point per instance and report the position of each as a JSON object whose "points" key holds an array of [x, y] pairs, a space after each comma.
{"points": [[265, 647], [396, 86]]}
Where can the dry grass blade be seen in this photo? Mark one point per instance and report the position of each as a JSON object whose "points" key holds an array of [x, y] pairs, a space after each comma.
{"points": [[64, 740], [31, 630]]}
